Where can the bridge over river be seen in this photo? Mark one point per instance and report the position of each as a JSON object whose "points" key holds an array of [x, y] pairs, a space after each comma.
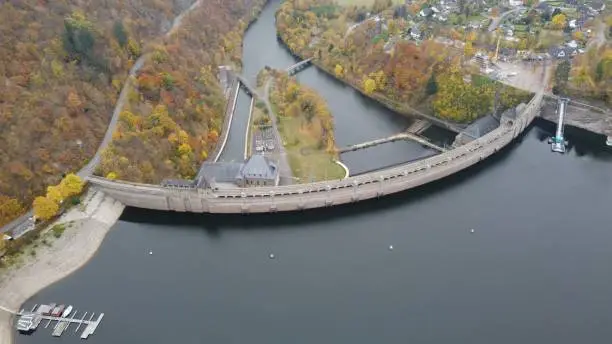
{"points": [[322, 194]]}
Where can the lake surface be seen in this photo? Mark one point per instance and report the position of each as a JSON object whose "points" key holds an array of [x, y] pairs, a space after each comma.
{"points": [[536, 269]]}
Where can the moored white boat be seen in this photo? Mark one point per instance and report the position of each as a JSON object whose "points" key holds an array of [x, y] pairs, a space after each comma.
{"points": [[67, 311]]}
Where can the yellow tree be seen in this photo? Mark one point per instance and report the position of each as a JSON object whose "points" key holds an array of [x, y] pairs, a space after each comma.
{"points": [[71, 185], [183, 149], [339, 71], [44, 208], [559, 20], [369, 86], [111, 175], [54, 193]]}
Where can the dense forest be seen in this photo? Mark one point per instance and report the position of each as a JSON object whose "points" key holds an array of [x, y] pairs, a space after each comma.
{"points": [[428, 77], [175, 111], [62, 66]]}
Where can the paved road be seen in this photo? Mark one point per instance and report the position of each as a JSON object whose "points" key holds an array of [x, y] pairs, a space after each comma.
{"points": [[24, 223], [600, 35], [496, 21], [283, 163]]}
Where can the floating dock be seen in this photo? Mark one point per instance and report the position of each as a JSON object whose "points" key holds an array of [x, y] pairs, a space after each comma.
{"points": [[28, 321]]}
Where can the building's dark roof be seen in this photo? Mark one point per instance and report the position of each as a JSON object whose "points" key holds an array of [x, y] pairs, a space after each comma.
{"points": [[481, 126], [178, 183], [258, 167], [427, 12], [543, 6], [562, 52], [219, 172]]}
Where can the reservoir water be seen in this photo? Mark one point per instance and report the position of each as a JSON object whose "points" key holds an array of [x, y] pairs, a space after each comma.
{"points": [[535, 270]]}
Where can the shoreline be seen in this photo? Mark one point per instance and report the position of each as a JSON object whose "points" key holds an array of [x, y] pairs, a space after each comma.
{"points": [[85, 231]]}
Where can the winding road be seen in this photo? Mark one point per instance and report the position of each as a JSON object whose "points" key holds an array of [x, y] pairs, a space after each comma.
{"points": [[496, 21], [23, 224], [284, 168]]}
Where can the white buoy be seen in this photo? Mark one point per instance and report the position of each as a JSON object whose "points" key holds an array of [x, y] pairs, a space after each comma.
{"points": [[472, 230], [271, 255], [150, 252], [390, 247]]}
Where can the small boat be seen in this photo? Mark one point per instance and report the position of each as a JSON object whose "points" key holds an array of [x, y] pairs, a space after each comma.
{"points": [[609, 141], [57, 311], [67, 311]]}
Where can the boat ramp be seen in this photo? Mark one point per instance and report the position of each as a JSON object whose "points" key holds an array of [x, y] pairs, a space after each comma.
{"points": [[60, 317]]}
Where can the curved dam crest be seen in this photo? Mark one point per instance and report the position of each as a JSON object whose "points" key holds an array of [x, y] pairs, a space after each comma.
{"points": [[322, 194]]}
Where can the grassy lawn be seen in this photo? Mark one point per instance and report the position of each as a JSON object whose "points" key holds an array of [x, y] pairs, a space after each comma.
{"points": [[363, 2], [520, 28], [308, 161]]}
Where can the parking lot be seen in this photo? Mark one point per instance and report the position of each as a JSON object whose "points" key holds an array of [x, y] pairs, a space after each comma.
{"points": [[264, 141], [523, 75]]}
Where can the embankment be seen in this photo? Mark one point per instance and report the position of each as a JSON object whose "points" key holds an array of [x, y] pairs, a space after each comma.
{"points": [[85, 230]]}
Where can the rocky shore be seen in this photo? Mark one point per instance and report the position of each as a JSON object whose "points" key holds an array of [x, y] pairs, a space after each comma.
{"points": [[86, 227]]}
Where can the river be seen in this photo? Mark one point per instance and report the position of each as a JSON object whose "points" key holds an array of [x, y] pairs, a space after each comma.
{"points": [[536, 269], [357, 119]]}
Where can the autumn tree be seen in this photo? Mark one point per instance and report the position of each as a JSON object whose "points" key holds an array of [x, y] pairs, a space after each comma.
{"points": [[10, 208], [54, 193], [338, 70], [460, 101], [44, 208], [369, 86], [71, 185], [559, 21]]}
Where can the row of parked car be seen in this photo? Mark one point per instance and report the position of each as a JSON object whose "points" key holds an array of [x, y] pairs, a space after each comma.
{"points": [[264, 140]]}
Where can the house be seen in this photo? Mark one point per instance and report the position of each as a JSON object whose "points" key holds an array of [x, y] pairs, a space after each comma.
{"points": [[426, 12], [258, 171], [255, 171], [476, 129], [515, 3], [572, 24], [562, 53]]}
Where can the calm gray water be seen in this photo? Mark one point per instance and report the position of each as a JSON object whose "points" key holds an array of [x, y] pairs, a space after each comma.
{"points": [[536, 270], [357, 119]]}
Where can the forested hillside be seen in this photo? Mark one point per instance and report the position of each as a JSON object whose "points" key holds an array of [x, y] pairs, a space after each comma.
{"points": [[62, 66], [428, 77], [175, 112]]}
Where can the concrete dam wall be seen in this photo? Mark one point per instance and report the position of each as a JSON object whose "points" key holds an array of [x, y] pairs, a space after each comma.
{"points": [[321, 194]]}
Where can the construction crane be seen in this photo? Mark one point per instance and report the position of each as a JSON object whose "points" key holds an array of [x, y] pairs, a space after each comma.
{"points": [[499, 36]]}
